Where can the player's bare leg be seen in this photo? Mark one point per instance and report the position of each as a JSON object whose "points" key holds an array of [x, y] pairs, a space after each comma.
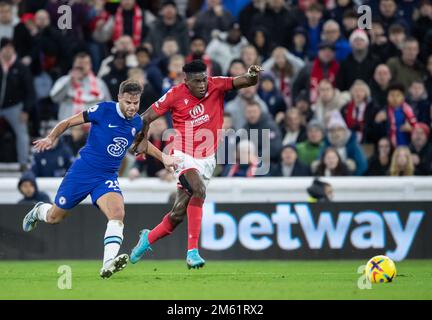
{"points": [[112, 206], [197, 189], [169, 222], [45, 212]]}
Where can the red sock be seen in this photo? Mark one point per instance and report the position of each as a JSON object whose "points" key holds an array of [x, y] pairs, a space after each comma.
{"points": [[194, 213], [161, 230]]}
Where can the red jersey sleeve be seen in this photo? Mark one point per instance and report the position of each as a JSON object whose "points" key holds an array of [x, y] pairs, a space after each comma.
{"points": [[165, 103], [224, 83]]}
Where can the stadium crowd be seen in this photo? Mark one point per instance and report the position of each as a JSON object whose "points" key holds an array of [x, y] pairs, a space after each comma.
{"points": [[337, 100]]}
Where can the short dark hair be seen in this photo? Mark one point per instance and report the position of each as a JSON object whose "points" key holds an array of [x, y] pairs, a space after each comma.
{"points": [[131, 86], [81, 55], [315, 7], [195, 66], [396, 28], [396, 87]]}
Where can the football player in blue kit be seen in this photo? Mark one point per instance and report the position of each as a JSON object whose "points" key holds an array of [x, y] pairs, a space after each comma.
{"points": [[113, 129]]}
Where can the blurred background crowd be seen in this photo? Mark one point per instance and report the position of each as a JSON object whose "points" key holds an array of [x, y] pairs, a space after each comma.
{"points": [[337, 100]]}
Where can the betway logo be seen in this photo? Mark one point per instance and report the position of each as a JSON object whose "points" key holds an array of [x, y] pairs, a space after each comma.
{"points": [[255, 228]]}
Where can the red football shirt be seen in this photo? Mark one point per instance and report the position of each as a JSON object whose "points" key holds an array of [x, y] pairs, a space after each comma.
{"points": [[197, 122]]}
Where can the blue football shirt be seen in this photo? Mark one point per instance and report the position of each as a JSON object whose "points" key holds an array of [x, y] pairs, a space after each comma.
{"points": [[111, 134]]}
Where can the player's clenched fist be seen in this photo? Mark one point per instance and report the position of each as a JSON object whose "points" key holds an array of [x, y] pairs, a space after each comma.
{"points": [[43, 144], [170, 162], [254, 70]]}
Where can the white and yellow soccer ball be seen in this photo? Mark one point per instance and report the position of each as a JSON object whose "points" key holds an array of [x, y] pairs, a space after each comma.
{"points": [[380, 269]]}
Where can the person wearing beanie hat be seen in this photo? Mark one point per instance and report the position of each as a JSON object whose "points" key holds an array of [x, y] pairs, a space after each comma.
{"points": [[421, 149], [341, 138], [360, 63], [309, 150], [28, 187]]}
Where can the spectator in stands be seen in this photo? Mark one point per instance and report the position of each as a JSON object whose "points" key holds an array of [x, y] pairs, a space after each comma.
{"points": [[320, 191], [148, 95], [279, 20], [423, 24], [270, 94], [260, 40], [7, 23], [247, 15], [341, 138], [197, 52], [53, 162], [76, 140], [118, 73], [123, 44], [428, 79], [257, 120], [290, 165], [397, 36], [249, 55], [284, 67], [341, 6], [131, 20], [170, 24], [388, 13], [237, 67], [360, 112], [360, 63], [324, 66], [292, 130], [237, 106], [299, 43], [227, 148], [329, 100], [349, 22], [380, 84], [379, 41], [170, 47], [175, 73], [421, 149], [417, 98], [406, 68], [379, 162], [313, 26], [310, 149], [149, 165], [331, 33], [226, 46], [402, 163], [397, 120], [331, 164], [16, 98], [152, 72], [302, 103], [78, 90], [28, 187], [214, 18], [246, 161]]}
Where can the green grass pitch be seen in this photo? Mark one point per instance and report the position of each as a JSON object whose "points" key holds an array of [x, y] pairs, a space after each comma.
{"points": [[218, 280]]}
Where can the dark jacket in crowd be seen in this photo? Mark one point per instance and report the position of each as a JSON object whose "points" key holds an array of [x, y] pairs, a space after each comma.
{"points": [[266, 122], [160, 31], [207, 21], [18, 84], [53, 162], [37, 196], [424, 168], [375, 168], [351, 70], [114, 78], [299, 170]]}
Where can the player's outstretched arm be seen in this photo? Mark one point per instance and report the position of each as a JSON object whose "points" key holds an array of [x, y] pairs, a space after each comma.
{"points": [[248, 79], [140, 144], [48, 142], [169, 162]]}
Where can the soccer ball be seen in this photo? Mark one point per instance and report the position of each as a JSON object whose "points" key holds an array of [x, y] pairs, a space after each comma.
{"points": [[380, 269]]}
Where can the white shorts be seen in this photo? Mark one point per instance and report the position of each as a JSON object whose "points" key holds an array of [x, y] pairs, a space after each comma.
{"points": [[205, 166]]}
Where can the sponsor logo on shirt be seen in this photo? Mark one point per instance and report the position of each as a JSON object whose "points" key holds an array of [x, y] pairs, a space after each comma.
{"points": [[197, 111]]}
